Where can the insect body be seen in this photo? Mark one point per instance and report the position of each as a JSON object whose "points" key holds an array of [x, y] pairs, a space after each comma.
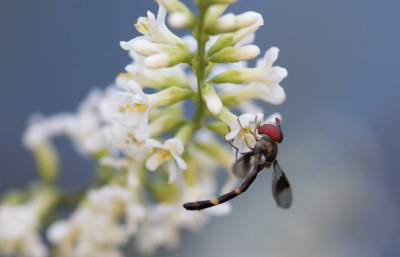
{"points": [[262, 155]]}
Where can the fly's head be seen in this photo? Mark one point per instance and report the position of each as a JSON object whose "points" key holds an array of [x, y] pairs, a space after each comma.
{"points": [[272, 130]]}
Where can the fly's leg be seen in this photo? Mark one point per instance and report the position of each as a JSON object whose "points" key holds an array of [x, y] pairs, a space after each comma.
{"points": [[237, 149], [256, 126], [244, 136]]}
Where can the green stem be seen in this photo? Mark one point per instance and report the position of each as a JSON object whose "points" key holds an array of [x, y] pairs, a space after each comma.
{"points": [[201, 65]]}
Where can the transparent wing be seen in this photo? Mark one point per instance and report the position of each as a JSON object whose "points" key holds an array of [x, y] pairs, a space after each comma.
{"points": [[281, 188], [244, 165]]}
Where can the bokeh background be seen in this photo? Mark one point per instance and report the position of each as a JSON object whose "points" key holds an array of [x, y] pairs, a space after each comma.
{"points": [[341, 117]]}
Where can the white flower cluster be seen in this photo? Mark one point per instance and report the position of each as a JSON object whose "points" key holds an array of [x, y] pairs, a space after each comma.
{"points": [[137, 125]]}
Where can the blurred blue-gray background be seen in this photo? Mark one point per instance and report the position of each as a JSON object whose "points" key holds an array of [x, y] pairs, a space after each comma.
{"points": [[341, 117]]}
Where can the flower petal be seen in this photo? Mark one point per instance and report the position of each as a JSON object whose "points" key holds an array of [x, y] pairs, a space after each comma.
{"points": [[175, 145], [271, 118], [271, 56], [277, 74], [172, 171], [154, 143], [180, 161], [232, 134], [152, 162]]}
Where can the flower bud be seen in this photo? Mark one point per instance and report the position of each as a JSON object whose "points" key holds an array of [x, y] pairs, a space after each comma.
{"points": [[170, 96], [232, 38], [179, 20], [211, 98], [47, 161], [185, 133], [180, 15], [213, 13], [230, 23], [165, 123], [236, 54], [168, 59], [142, 47], [271, 94]]}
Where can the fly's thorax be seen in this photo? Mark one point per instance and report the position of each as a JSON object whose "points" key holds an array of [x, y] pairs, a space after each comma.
{"points": [[272, 151], [267, 145]]}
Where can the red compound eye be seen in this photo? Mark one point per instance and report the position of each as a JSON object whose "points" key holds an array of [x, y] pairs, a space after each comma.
{"points": [[271, 130]]}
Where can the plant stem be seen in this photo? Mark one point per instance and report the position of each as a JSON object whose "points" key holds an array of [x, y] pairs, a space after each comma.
{"points": [[201, 65]]}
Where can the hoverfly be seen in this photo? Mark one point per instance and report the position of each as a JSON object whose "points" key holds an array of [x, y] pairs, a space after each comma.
{"points": [[262, 155]]}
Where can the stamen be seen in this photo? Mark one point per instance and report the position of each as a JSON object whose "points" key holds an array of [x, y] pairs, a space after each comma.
{"points": [[127, 105], [140, 107], [147, 19], [163, 155], [136, 25], [121, 75], [131, 109], [245, 131]]}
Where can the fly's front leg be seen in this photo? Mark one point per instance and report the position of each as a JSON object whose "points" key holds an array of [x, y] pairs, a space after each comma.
{"points": [[256, 126], [244, 136]]}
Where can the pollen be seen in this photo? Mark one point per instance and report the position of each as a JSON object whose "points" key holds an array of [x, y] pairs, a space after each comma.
{"points": [[163, 155], [137, 74], [131, 109], [142, 30], [245, 131], [147, 18], [140, 107], [136, 25], [121, 75], [129, 75], [127, 105]]}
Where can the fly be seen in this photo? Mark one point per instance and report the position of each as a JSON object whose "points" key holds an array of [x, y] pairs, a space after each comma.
{"points": [[262, 155]]}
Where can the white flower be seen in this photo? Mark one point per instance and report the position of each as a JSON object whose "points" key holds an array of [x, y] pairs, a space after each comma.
{"points": [[134, 105], [129, 164], [19, 232], [241, 131], [159, 79], [265, 78], [96, 227], [269, 77], [87, 234], [161, 47], [41, 129], [168, 152], [162, 226], [155, 30], [116, 201]]}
